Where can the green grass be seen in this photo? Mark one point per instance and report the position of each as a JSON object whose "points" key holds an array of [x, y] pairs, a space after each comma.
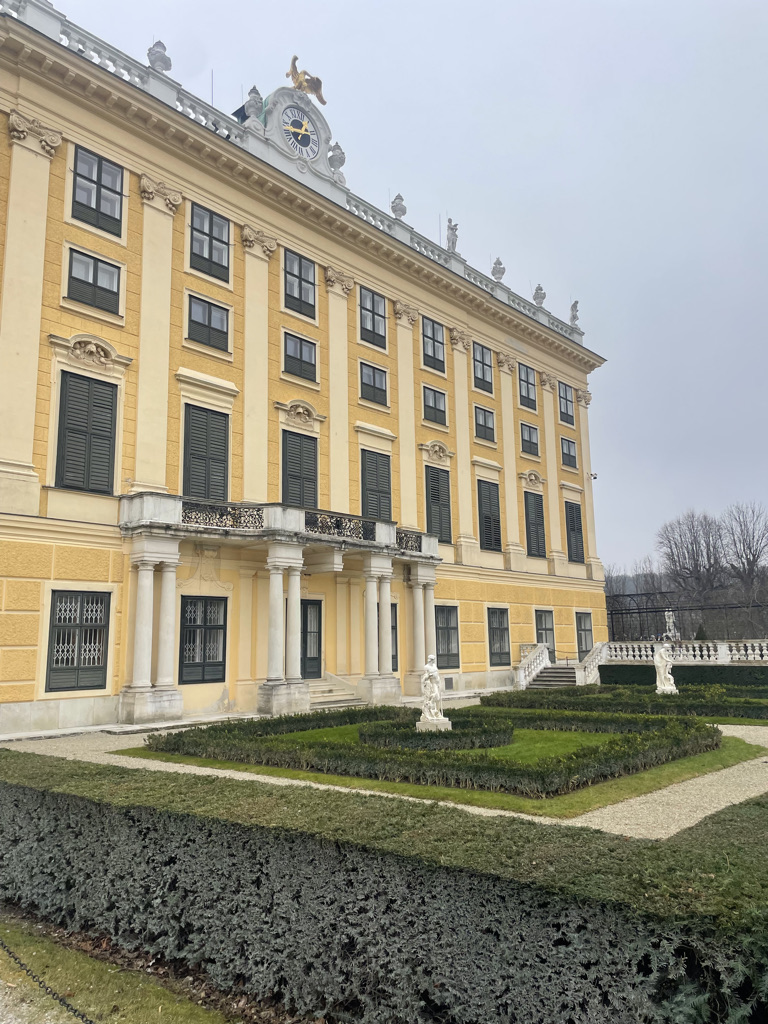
{"points": [[732, 751]]}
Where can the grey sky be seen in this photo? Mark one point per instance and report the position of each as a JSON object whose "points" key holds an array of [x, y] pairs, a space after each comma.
{"points": [[615, 151]]}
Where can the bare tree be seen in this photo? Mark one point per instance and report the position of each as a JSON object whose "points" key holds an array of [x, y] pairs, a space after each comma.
{"points": [[745, 537], [692, 553]]}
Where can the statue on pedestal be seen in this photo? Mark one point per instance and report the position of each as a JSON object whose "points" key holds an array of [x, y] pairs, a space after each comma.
{"points": [[432, 717], [662, 659], [452, 236]]}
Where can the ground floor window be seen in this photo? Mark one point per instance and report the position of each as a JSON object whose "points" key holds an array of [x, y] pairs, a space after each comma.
{"points": [[447, 635], [498, 636], [77, 647], [584, 633], [545, 631], [203, 639]]}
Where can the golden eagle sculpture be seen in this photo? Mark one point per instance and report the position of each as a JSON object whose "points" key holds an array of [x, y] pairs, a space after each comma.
{"points": [[304, 82]]}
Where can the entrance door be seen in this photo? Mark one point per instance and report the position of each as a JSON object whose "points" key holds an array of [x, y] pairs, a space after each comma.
{"points": [[584, 633], [311, 652], [545, 632]]}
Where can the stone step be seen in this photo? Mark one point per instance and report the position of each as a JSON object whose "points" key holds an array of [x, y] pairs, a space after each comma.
{"points": [[327, 705], [553, 677]]}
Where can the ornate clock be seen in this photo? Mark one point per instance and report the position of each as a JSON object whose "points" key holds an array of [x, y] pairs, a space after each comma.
{"points": [[300, 133]]}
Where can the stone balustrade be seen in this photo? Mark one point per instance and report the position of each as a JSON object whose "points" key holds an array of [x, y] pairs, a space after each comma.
{"points": [[531, 665], [687, 652]]}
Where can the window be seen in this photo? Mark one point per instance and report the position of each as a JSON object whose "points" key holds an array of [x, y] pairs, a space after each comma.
{"points": [[206, 453], [545, 632], [209, 250], [373, 322], [530, 438], [482, 361], [534, 525], [376, 485], [93, 282], [203, 639], [439, 503], [433, 338], [447, 636], [568, 449], [434, 405], [300, 357], [394, 638], [299, 284], [584, 634], [498, 636], [373, 384], [484, 425], [77, 646], [299, 470], [574, 532], [208, 324], [85, 458], [489, 515], [527, 378], [97, 196], [565, 394]]}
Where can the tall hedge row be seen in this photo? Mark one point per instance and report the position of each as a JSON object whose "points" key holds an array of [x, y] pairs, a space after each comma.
{"points": [[702, 675]]}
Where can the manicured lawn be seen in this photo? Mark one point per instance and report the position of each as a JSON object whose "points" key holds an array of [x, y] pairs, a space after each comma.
{"points": [[733, 751]]}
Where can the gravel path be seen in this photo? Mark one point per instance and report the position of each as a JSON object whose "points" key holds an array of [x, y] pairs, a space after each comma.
{"points": [[657, 815]]}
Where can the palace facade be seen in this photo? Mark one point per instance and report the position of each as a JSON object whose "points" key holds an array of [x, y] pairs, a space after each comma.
{"points": [[257, 434]]}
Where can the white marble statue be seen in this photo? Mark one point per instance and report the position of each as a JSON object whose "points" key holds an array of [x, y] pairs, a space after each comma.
{"points": [[671, 630], [539, 295], [431, 692], [452, 236], [662, 659]]}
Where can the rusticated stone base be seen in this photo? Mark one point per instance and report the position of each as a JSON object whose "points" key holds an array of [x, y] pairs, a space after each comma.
{"points": [[152, 705], [379, 690], [283, 698]]}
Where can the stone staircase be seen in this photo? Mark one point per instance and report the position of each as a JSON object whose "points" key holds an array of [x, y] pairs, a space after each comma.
{"points": [[553, 676], [332, 692]]}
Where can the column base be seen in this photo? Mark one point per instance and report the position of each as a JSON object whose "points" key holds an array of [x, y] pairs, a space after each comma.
{"points": [[151, 705], [380, 690], [558, 563], [514, 558], [595, 570], [283, 698], [246, 695], [467, 550]]}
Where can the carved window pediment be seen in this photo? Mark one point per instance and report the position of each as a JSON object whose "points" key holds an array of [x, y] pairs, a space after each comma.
{"points": [[532, 480], [87, 352], [299, 415], [437, 453]]}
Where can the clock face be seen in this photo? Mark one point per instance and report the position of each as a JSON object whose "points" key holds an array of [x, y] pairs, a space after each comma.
{"points": [[300, 134]]}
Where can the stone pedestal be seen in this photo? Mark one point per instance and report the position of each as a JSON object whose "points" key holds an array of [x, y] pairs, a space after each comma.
{"points": [[283, 698], [379, 689], [434, 725], [149, 704]]}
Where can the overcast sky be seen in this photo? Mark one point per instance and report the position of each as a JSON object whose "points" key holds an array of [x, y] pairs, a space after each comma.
{"points": [[614, 150]]}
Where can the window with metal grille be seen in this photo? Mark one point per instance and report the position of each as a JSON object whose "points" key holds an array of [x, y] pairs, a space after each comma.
{"points": [[299, 470], [93, 282], [565, 395], [433, 338], [373, 318], [209, 245], [376, 485], [439, 503], [489, 515], [203, 640], [434, 405], [77, 644], [529, 438], [447, 636], [208, 323], [498, 636], [373, 384], [300, 357], [206, 453], [527, 379], [299, 276], [534, 524], [568, 449], [482, 361], [574, 532], [484, 424], [85, 459], [97, 196]]}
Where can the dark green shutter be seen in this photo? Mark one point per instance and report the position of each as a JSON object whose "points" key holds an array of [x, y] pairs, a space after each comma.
{"points": [[534, 525], [489, 515], [86, 449], [574, 532], [206, 449], [299, 470], [376, 485], [439, 503]]}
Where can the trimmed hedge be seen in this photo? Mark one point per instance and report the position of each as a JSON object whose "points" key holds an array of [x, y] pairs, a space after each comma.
{"points": [[477, 734], [704, 675]]}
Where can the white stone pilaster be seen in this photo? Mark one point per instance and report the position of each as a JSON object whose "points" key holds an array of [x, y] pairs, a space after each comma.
{"points": [[342, 593], [406, 317], [355, 631], [467, 546], [514, 552], [258, 250], [430, 632], [293, 627], [556, 555], [371, 628], [339, 286], [419, 642], [385, 626], [245, 699], [594, 565]]}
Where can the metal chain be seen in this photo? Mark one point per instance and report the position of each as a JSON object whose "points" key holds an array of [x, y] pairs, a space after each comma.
{"points": [[46, 988]]}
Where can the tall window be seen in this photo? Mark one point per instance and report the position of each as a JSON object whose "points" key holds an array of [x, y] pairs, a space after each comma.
{"points": [[299, 284], [208, 323], [447, 636], [482, 362], [568, 449], [373, 384], [565, 395], [534, 525], [484, 424], [439, 503], [97, 196], [376, 485], [529, 437], [574, 532], [300, 357], [433, 338], [209, 244], [434, 405], [584, 634], [498, 636], [545, 631], [489, 515], [206, 453], [77, 647], [394, 638], [527, 378], [203, 640], [93, 282], [373, 318], [299, 470], [86, 444]]}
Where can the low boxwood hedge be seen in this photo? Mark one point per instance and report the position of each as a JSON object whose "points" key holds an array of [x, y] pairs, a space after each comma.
{"points": [[704, 674], [629, 700], [480, 733]]}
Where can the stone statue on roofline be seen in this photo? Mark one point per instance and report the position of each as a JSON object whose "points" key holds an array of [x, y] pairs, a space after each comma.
{"points": [[539, 295], [662, 659], [157, 58], [452, 236]]}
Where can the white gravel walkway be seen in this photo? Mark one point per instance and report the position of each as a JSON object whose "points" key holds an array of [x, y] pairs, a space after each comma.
{"points": [[656, 815]]}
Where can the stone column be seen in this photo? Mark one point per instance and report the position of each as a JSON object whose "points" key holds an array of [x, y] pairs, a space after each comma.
{"points": [[142, 625], [558, 561], [594, 565], [259, 248], [430, 631], [160, 205], [293, 627], [166, 637], [342, 591], [280, 695], [419, 649], [245, 697], [276, 628], [406, 317], [371, 630], [339, 286], [355, 604], [385, 626], [467, 546], [514, 552], [32, 147]]}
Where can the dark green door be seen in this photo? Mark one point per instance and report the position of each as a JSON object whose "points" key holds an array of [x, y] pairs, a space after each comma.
{"points": [[311, 649]]}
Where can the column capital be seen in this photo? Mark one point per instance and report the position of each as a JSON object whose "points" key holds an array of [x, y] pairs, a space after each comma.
{"points": [[21, 127], [254, 239], [168, 563], [583, 396], [337, 281], [548, 380], [505, 362], [142, 562], [151, 190], [294, 570], [460, 339], [405, 312]]}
